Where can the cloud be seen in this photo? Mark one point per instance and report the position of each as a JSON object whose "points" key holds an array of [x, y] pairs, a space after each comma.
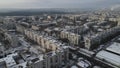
{"points": [[14, 3], [57, 3]]}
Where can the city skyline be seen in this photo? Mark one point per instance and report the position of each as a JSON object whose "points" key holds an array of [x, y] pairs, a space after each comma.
{"points": [[60, 34]]}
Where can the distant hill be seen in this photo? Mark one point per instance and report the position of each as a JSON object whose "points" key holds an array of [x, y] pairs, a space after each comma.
{"points": [[27, 12]]}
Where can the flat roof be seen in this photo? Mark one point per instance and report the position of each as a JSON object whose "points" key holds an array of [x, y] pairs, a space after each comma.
{"points": [[114, 47], [109, 57], [74, 66]]}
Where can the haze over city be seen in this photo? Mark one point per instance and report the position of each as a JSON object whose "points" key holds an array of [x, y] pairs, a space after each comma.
{"points": [[59, 33]]}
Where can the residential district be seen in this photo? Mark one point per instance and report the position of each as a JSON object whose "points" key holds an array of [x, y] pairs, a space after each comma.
{"points": [[84, 40]]}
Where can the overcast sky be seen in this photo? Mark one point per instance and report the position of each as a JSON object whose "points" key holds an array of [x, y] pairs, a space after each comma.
{"points": [[58, 3]]}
